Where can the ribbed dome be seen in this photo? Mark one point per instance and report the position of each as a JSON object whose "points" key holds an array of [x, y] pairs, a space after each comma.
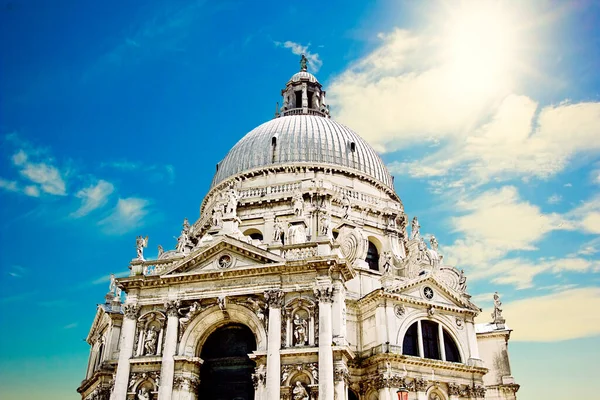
{"points": [[302, 139], [303, 76]]}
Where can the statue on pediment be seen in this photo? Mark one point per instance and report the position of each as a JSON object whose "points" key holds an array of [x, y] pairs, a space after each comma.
{"points": [[140, 243], [415, 228]]}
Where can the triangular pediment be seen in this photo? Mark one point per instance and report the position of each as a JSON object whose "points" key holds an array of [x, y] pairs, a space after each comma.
{"points": [[429, 289], [224, 253]]}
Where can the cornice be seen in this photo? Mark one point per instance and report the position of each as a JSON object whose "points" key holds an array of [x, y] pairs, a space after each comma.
{"points": [[420, 362]]}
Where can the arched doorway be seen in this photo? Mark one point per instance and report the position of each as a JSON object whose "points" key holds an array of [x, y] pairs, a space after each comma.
{"points": [[227, 371]]}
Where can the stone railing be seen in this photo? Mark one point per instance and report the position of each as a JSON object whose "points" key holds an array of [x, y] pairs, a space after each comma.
{"points": [[301, 111], [379, 349], [299, 253]]}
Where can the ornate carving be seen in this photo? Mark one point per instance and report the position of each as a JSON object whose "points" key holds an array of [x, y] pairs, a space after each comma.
{"points": [[139, 377], [187, 314], [462, 281], [259, 377], [100, 393], [131, 311], [171, 309], [274, 297], [299, 254], [453, 389], [222, 302], [299, 392], [353, 246], [186, 383], [460, 323], [259, 307], [399, 310], [420, 384], [324, 294], [296, 234], [312, 368], [345, 203], [341, 374]]}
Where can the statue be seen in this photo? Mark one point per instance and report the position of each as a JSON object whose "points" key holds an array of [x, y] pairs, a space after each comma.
{"points": [[325, 223], [298, 204], [422, 249], [314, 371], [303, 63], [315, 101], [222, 302], [299, 392], [434, 243], [462, 281], [150, 341], [186, 316], [140, 243], [277, 231], [415, 228], [497, 313], [217, 217], [232, 201], [113, 284], [143, 394], [184, 238], [345, 207], [259, 308], [300, 330], [161, 251], [387, 262]]}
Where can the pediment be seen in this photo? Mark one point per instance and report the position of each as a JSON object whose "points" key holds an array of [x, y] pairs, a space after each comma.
{"points": [[429, 289], [224, 253]]}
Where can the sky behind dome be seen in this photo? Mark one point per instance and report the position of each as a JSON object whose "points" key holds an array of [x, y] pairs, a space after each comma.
{"points": [[113, 116]]}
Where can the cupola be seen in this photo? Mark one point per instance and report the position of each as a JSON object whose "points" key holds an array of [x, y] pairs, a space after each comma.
{"points": [[303, 94]]}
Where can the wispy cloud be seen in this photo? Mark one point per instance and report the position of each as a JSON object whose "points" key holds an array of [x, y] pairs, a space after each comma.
{"points": [[93, 197], [46, 175], [153, 171], [17, 271], [554, 199], [126, 216], [314, 61], [106, 278], [71, 325], [7, 185]]}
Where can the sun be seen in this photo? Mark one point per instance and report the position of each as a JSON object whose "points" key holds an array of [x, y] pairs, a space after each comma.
{"points": [[481, 44]]}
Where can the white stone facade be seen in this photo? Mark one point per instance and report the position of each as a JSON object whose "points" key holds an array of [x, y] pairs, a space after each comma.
{"points": [[311, 260]]}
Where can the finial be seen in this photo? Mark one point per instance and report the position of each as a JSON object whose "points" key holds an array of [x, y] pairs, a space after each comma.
{"points": [[303, 63], [277, 110]]}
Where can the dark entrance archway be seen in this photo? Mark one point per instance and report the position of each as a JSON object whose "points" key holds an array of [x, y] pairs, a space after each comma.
{"points": [[227, 371]]}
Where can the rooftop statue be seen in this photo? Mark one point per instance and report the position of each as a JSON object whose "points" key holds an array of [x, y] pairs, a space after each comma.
{"points": [[497, 313], [415, 227], [140, 243], [303, 63]]}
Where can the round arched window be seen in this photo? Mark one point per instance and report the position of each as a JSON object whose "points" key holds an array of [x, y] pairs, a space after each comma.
{"points": [[435, 342]]}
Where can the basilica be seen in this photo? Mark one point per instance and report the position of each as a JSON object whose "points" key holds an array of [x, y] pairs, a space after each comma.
{"points": [[303, 278]]}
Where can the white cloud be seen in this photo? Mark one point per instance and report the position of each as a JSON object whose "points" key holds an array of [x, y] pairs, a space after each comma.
{"points": [[127, 215], [554, 199], [10, 186], [44, 174], [314, 62], [498, 222], [405, 94], [32, 191], [93, 197], [565, 315], [154, 172]]}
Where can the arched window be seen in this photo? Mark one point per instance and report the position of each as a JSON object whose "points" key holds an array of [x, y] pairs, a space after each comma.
{"points": [[451, 349], [372, 257], [410, 344], [429, 339]]}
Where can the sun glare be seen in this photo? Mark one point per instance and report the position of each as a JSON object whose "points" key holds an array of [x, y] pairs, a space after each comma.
{"points": [[480, 46]]}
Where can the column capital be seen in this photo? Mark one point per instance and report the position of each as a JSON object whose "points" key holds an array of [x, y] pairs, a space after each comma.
{"points": [[324, 294], [453, 389], [420, 384], [131, 310], [186, 383], [274, 297], [171, 308]]}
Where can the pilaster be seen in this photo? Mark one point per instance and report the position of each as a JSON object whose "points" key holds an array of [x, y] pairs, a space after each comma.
{"points": [[131, 312], [274, 299], [324, 296], [167, 370]]}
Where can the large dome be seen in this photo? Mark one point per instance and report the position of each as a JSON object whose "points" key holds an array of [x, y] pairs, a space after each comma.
{"points": [[310, 139]]}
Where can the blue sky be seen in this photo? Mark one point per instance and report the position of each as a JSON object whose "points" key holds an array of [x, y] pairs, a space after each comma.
{"points": [[114, 114]]}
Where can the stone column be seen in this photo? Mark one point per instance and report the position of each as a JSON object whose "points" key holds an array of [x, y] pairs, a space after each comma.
{"points": [[339, 313], [167, 369], [420, 339], [340, 379], [421, 388], [325, 297], [275, 300], [131, 312]]}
